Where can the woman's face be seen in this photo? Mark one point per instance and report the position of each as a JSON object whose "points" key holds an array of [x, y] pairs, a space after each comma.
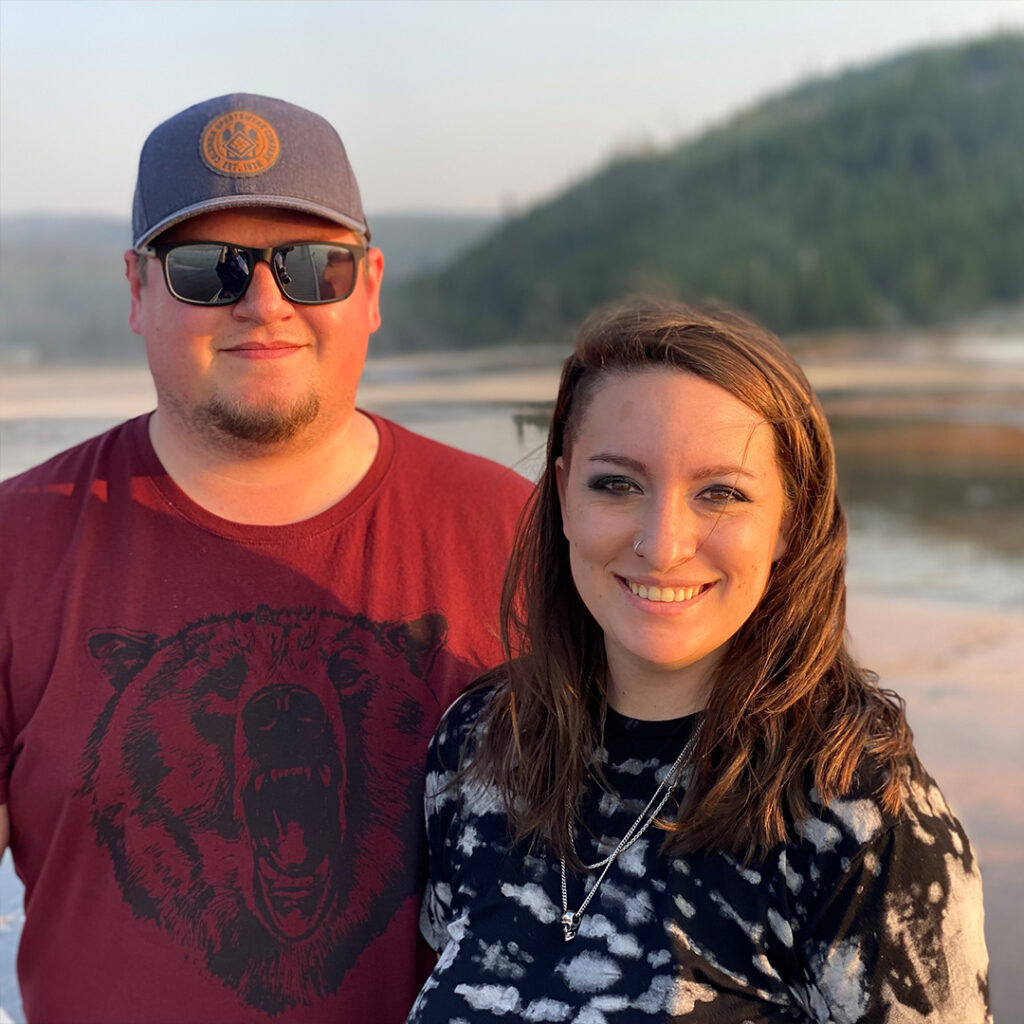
{"points": [[680, 465]]}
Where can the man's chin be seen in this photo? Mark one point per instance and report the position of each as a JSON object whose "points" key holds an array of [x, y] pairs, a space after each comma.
{"points": [[259, 425]]}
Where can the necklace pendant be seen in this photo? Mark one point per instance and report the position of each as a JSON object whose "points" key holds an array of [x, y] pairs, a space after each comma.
{"points": [[570, 925]]}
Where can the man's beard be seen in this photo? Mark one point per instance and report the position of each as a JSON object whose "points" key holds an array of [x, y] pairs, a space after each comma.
{"points": [[268, 424]]}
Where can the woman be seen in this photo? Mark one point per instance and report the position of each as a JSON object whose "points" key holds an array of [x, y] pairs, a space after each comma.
{"points": [[681, 798]]}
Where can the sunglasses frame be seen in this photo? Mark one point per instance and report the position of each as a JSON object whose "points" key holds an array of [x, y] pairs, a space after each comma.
{"points": [[256, 255]]}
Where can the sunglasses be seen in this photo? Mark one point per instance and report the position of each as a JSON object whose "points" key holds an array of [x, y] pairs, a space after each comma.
{"points": [[218, 273]]}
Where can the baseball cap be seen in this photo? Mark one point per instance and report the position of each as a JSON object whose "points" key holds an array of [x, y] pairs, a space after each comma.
{"points": [[243, 150]]}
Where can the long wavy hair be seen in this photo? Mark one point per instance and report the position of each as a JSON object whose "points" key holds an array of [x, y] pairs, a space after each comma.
{"points": [[788, 707]]}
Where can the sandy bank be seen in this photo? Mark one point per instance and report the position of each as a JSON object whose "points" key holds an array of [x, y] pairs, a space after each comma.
{"points": [[960, 670], [850, 386]]}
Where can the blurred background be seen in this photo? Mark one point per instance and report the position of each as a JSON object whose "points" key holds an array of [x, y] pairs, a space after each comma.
{"points": [[850, 173]]}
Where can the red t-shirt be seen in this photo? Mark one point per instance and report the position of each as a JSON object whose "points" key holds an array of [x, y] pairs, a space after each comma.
{"points": [[212, 736]]}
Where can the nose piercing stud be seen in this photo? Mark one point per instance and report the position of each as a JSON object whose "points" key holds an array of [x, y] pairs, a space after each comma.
{"points": [[636, 546]]}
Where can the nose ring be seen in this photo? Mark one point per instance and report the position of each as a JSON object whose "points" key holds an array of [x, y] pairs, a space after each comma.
{"points": [[636, 546]]}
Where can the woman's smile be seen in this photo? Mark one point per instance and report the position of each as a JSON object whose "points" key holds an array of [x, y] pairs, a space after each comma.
{"points": [[665, 594]]}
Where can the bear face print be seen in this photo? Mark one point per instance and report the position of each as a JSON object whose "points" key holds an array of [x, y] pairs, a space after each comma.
{"points": [[257, 780]]}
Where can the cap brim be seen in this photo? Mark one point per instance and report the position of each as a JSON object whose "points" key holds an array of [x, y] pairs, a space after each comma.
{"points": [[252, 201]]}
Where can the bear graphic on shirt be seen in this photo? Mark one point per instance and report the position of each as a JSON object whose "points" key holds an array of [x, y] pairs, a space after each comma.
{"points": [[251, 778]]}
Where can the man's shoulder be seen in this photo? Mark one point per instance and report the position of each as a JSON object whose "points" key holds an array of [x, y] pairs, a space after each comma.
{"points": [[417, 453], [67, 469]]}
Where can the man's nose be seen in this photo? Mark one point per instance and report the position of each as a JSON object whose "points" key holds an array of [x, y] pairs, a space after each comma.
{"points": [[263, 300]]}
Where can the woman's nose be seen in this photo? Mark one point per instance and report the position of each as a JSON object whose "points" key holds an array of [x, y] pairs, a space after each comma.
{"points": [[671, 533]]}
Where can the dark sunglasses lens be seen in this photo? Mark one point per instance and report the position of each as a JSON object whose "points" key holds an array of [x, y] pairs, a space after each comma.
{"points": [[315, 272], [210, 274]]}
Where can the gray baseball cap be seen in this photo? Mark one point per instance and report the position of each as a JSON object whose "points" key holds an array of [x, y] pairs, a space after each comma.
{"points": [[243, 150]]}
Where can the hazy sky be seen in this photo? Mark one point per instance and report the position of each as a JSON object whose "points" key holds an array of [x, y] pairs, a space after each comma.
{"points": [[465, 105]]}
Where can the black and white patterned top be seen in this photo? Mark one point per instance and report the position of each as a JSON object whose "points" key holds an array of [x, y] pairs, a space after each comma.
{"points": [[864, 918]]}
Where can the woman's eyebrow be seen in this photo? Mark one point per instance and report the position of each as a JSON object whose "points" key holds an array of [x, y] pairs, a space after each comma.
{"points": [[625, 461], [703, 473], [724, 470]]}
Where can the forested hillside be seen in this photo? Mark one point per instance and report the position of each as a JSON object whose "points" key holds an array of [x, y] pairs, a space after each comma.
{"points": [[887, 196], [884, 197]]}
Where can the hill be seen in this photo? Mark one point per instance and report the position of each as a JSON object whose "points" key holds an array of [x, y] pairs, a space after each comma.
{"points": [[886, 196], [62, 290], [64, 297]]}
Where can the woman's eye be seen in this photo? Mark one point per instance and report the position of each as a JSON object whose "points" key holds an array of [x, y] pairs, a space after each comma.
{"points": [[722, 494], [614, 485]]}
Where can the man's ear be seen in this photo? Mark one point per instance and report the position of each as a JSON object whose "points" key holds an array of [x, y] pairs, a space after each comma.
{"points": [[374, 276], [133, 272]]}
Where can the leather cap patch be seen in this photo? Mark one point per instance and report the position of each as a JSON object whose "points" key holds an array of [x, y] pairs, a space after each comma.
{"points": [[238, 143]]}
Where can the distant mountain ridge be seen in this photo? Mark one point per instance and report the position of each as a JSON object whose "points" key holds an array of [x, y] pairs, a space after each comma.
{"points": [[63, 297], [886, 196]]}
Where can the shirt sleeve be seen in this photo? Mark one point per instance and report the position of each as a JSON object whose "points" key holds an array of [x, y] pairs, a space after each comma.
{"points": [[439, 800], [899, 937], [6, 716]]}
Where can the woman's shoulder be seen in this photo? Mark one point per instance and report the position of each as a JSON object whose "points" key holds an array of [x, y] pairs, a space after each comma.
{"points": [[859, 822], [900, 887], [453, 793], [853, 818], [462, 720]]}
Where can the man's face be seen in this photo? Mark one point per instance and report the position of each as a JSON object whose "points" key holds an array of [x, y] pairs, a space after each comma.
{"points": [[264, 370]]}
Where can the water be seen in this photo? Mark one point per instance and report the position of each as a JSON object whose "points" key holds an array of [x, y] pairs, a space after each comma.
{"points": [[11, 919], [939, 517], [943, 527], [925, 521]]}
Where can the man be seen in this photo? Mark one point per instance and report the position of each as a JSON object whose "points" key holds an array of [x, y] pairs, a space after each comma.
{"points": [[228, 628]]}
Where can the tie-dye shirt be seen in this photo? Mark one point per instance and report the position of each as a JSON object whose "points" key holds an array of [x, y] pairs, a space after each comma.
{"points": [[864, 917]]}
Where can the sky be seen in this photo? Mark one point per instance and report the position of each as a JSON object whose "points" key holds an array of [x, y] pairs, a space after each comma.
{"points": [[444, 105]]}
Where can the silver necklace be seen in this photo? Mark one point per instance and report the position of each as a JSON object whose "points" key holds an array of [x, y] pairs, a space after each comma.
{"points": [[570, 919]]}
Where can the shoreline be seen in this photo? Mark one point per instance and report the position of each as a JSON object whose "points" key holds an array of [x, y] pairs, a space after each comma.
{"points": [[850, 386]]}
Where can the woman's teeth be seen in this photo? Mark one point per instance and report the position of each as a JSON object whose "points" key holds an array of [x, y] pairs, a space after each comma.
{"points": [[665, 594]]}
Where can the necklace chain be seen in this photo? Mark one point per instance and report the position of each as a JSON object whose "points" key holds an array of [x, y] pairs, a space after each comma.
{"points": [[570, 920]]}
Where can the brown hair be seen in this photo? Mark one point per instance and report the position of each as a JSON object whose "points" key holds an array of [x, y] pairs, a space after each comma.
{"points": [[788, 707]]}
